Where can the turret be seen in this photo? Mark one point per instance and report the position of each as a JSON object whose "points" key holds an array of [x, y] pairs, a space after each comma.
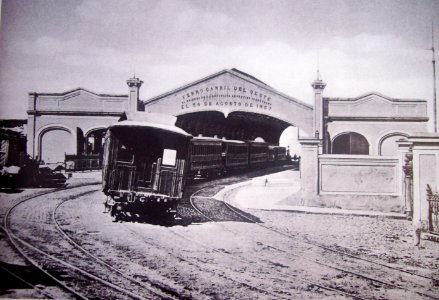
{"points": [[318, 86], [134, 85]]}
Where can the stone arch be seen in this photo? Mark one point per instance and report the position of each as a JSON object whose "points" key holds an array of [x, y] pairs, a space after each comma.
{"points": [[236, 125], [387, 145], [93, 140], [94, 128], [350, 143], [48, 140]]}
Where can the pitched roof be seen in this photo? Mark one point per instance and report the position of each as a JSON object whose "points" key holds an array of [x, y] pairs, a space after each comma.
{"points": [[234, 72]]}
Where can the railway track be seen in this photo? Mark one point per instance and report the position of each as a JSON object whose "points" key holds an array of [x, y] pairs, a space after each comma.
{"points": [[285, 283], [345, 270], [76, 270], [434, 280], [336, 290], [218, 271]]}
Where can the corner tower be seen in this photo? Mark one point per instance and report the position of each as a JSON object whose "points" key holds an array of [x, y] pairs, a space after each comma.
{"points": [[134, 85], [318, 86]]}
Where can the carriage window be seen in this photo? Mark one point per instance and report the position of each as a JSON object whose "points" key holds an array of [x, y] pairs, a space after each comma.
{"points": [[125, 153], [169, 157]]}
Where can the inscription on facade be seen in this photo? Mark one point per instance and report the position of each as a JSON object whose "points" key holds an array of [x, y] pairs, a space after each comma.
{"points": [[225, 96]]}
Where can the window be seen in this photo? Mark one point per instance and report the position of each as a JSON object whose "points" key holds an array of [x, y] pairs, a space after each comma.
{"points": [[169, 157], [350, 143]]}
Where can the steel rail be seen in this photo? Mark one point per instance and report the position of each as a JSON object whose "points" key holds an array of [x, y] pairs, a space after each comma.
{"points": [[332, 249], [75, 268], [338, 252], [305, 280], [8, 232], [14, 239], [152, 289], [195, 263]]}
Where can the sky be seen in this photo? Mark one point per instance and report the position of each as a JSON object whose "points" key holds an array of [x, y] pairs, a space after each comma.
{"points": [[359, 46]]}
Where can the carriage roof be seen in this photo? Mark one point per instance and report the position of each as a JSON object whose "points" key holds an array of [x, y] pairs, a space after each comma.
{"points": [[234, 141], [142, 124]]}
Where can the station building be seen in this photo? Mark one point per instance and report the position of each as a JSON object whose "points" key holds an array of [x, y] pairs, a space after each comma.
{"points": [[230, 104], [364, 152]]}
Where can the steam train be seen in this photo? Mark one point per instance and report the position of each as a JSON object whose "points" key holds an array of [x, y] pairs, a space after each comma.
{"points": [[147, 164]]}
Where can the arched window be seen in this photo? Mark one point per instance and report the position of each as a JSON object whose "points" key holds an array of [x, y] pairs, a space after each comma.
{"points": [[94, 141], [350, 143], [388, 145]]}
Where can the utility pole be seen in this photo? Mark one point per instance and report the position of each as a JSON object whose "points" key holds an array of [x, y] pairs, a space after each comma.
{"points": [[434, 78]]}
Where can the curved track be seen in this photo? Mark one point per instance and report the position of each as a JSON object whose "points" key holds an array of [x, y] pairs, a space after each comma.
{"points": [[81, 270], [417, 289], [336, 290]]}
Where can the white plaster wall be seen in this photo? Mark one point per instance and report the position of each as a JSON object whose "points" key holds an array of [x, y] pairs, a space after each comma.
{"points": [[374, 131], [359, 174], [46, 123]]}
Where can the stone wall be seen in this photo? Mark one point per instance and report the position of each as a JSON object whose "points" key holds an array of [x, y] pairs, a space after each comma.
{"points": [[360, 182]]}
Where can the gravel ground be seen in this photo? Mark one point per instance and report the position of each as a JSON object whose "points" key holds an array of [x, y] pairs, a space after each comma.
{"points": [[235, 258], [11, 260]]}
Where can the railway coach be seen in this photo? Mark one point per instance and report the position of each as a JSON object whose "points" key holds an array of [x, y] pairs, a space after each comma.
{"points": [[144, 166]]}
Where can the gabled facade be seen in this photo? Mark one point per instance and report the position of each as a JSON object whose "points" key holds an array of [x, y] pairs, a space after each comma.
{"points": [[234, 97], [61, 123], [371, 124]]}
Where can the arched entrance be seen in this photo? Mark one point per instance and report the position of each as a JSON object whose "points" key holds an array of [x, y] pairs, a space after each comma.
{"points": [[234, 105], [49, 141], [237, 125]]}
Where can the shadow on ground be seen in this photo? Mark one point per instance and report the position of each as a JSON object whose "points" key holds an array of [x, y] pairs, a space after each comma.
{"points": [[21, 277], [10, 191], [205, 210]]}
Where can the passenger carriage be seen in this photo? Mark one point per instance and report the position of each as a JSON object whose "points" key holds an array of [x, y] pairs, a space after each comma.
{"points": [[280, 154], [205, 156], [235, 154], [258, 153], [144, 165]]}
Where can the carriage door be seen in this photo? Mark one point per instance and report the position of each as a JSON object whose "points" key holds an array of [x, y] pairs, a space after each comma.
{"points": [[169, 176]]}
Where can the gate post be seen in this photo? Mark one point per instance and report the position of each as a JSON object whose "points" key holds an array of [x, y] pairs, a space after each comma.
{"points": [[405, 157], [408, 185], [309, 170], [425, 172]]}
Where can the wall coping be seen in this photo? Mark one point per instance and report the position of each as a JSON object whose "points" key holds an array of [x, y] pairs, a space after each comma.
{"points": [[357, 158], [424, 138]]}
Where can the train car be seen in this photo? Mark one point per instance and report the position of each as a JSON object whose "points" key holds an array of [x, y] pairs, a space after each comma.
{"points": [[272, 154], [258, 154], [143, 167], [235, 154], [205, 156], [280, 154]]}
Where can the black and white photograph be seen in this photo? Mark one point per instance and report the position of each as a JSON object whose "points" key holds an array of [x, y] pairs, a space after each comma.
{"points": [[219, 149]]}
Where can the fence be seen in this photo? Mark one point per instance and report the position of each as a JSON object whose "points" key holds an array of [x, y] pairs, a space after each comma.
{"points": [[433, 211], [83, 163]]}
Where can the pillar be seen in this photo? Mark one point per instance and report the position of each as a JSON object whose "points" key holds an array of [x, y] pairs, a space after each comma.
{"points": [[31, 124], [309, 170], [425, 172], [406, 178]]}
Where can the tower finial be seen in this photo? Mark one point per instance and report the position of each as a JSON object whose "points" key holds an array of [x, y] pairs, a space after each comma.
{"points": [[318, 65]]}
